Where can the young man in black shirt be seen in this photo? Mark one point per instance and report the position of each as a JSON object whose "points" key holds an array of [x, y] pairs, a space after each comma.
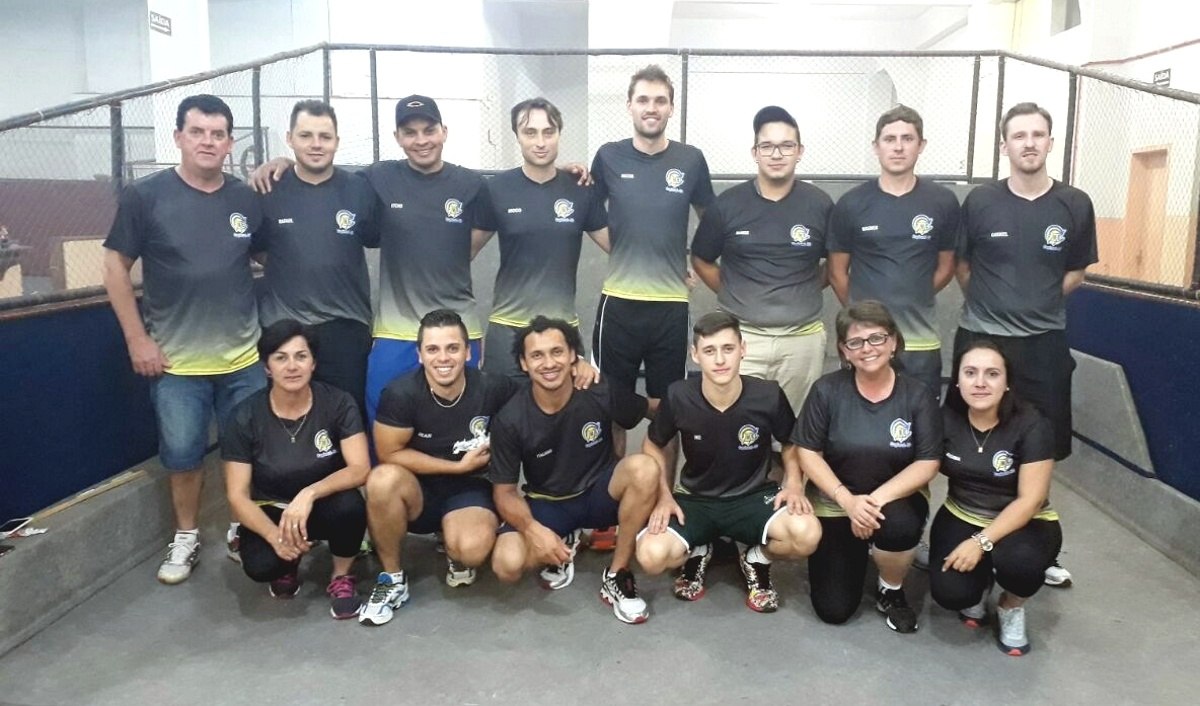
{"points": [[725, 422], [561, 438]]}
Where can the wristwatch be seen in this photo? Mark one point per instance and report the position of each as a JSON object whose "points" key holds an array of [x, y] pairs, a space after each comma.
{"points": [[984, 543]]}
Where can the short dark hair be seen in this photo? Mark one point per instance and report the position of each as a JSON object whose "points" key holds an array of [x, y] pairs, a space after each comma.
{"points": [[1027, 108], [315, 108], [901, 113], [652, 73], [713, 323], [441, 318], [541, 324], [1010, 402], [521, 111], [867, 311], [774, 114], [207, 104], [274, 336]]}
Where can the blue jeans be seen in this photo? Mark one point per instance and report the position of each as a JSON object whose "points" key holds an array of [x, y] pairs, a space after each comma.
{"points": [[184, 406]]}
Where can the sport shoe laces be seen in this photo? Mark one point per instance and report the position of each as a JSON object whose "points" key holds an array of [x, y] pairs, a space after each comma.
{"points": [[179, 552], [341, 587]]}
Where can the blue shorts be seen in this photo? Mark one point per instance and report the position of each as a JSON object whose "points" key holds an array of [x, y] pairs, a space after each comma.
{"points": [[389, 359], [444, 495], [590, 509], [184, 406]]}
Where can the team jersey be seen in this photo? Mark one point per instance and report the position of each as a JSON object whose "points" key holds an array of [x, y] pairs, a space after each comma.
{"points": [[983, 483], [197, 290], [648, 198], [279, 467], [540, 227], [770, 254], [314, 236], [894, 243], [425, 245], [444, 429], [562, 454], [867, 443], [1019, 251], [726, 453]]}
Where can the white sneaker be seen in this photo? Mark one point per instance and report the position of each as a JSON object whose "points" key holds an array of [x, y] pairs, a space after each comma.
{"points": [[620, 591], [921, 558], [1011, 636], [457, 574], [1057, 576], [560, 576], [233, 543], [182, 554], [390, 592], [976, 615]]}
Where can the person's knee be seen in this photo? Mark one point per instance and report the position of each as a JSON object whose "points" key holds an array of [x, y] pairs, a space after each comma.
{"points": [[658, 552], [508, 560], [643, 473], [799, 534], [470, 543], [389, 485], [953, 592], [834, 610]]}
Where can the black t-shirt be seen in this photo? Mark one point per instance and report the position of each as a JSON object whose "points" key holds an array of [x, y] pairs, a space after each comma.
{"points": [[280, 468], [564, 453], [439, 430], [725, 453], [868, 443], [983, 484]]}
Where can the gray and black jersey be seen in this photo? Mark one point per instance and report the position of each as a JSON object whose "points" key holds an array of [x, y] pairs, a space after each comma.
{"points": [[726, 454], [562, 454], [894, 243], [314, 235], [1019, 250], [648, 200], [425, 245], [540, 228], [197, 290], [770, 254]]}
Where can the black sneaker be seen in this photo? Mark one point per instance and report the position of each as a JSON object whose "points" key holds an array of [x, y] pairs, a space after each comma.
{"points": [[689, 585], [761, 596], [893, 603]]}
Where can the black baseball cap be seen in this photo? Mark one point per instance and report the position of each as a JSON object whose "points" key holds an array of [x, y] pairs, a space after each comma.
{"points": [[417, 107], [773, 114]]}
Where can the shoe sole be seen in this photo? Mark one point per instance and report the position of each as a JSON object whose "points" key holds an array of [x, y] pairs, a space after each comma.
{"points": [[892, 626], [345, 616], [167, 581], [1013, 651], [756, 609], [973, 623], [453, 582], [283, 596], [1066, 583], [694, 598], [635, 620], [363, 620]]}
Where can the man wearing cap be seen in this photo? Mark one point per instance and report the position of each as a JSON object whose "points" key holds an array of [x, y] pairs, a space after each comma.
{"points": [[769, 235]]}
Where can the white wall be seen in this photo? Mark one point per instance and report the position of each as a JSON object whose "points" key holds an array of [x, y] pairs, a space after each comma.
{"points": [[42, 45]]}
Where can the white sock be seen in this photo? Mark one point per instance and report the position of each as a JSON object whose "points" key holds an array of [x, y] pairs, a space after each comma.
{"points": [[756, 555], [700, 550], [887, 586], [187, 536]]}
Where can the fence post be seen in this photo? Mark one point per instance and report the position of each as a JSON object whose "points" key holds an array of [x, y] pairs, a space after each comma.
{"points": [[683, 92], [1069, 138], [116, 131], [374, 107], [327, 71], [974, 120], [999, 115], [256, 111]]}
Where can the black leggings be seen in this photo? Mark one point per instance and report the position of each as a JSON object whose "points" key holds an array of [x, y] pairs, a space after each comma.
{"points": [[340, 519], [1019, 560], [837, 569]]}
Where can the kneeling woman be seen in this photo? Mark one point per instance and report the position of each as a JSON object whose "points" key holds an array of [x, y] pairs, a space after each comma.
{"points": [[295, 455], [997, 520], [869, 439]]}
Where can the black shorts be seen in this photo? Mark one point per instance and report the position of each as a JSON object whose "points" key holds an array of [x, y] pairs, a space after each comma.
{"points": [[343, 346], [744, 518], [590, 509], [630, 331], [443, 495]]}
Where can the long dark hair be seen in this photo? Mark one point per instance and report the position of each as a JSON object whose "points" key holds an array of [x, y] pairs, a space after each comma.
{"points": [[1009, 401]]}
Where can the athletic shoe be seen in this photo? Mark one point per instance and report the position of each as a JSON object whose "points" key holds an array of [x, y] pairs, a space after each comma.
{"points": [[1011, 633], [457, 574], [343, 602], [921, 557], [440, 547], [894, 604], [603, 539], [761, 596], [1057, 576], [689, 585], [182, 554], [620, 591], [233, 543], [560, 576], [286, 586], [390, 592], [976, 615]]}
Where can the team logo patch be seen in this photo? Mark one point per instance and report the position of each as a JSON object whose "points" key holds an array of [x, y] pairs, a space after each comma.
{"points": [[323, 443], [921, 225], [478, 425], [239, 224], [674, 178], [747, 437], [591, 434], [1002, 463], [345, 220], [563, 209], [454, 208], [901, 432], [1055, 236], [800, 234]]}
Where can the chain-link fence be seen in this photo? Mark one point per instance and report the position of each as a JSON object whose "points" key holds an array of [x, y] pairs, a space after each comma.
{"points": [[1133, 148]]}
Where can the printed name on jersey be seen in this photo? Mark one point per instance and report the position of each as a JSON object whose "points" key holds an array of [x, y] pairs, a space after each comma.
{"points": [[425, 434], [901, 431], [747, 437], [1000, 234], [239, 224], [741, 232], [397, 205], [514, 210], [770, 499], [563, 210], [543, 454], [674, 179], [952, 457], [801, 236], [868, 229], [284, 221], [697, 437], [1055, 236], [324, 444], [628, 176], [1002, 464], [345, 222], [592, 434], [922, 226], [454, 211]]}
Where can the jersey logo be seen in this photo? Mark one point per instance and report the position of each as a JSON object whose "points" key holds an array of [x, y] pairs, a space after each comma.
{"points": [[478, 427], [563, 209], [674, 181], [591, 434], [454, 210], [323, 443], [1055, 236], [747, 437], [345, 222], [922, 225], [1002, 464], [801, 235], [901, 432], [239, 224]]}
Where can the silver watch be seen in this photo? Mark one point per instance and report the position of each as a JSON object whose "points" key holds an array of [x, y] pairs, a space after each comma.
{"points": [[984, 543]]}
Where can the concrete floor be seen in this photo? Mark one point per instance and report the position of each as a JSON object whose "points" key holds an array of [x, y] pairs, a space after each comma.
{"points": [[1127, 632]]}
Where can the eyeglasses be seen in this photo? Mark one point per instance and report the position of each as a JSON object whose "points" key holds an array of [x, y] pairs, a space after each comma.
{"points": [[875, 339], [787, 149]]}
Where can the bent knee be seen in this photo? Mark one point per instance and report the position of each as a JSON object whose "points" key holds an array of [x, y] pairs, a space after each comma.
{"points": [[658, 552]]}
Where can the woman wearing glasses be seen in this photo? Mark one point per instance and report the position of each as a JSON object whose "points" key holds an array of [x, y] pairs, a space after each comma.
{"points": [[869, 440]]}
